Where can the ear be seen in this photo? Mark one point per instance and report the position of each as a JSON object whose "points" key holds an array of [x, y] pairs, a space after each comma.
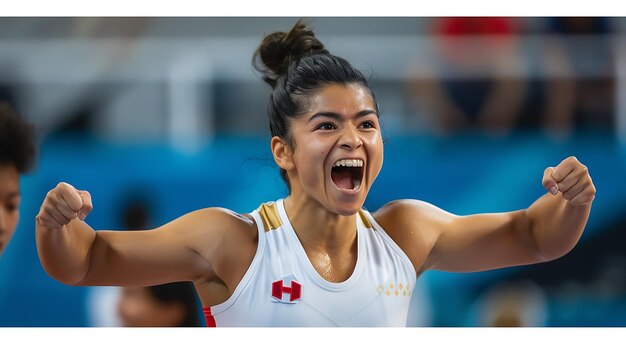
{"points": [[282, 154]]}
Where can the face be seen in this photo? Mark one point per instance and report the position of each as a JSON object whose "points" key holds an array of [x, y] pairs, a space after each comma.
{"points": [[138, 308], [9, 203], [338, 148]]}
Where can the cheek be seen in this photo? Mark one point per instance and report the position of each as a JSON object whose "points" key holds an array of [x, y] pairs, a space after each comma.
{"points": [[124, 310], [311, 159], [134, 306], [376, 154], [316, 147], [11, 218], [129, 306]]}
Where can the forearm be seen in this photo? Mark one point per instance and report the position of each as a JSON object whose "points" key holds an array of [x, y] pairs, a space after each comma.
{"points": [[65, 253], [556, 225]]}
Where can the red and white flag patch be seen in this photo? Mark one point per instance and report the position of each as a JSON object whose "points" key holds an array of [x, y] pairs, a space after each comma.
{"points": [[286, 290]]}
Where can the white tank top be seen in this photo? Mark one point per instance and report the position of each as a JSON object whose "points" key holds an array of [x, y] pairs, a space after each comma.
{"points": [[282, 288]]}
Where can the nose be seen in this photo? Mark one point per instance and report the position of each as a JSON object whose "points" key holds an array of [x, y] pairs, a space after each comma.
{"points": [[350, 139]]}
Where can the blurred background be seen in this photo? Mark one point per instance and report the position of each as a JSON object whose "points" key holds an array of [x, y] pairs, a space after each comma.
{"points": [[158, 117]]}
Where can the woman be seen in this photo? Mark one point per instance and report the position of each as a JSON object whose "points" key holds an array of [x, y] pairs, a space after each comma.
{"points": [[166, 305], [315, 258]]}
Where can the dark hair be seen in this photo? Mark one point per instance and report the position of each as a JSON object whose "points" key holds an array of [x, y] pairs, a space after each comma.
{"points": [[17, 140], [182, 293], [296, 65]]}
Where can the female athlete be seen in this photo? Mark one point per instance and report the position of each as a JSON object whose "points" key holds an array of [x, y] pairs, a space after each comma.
{"points": [[316, 257]]}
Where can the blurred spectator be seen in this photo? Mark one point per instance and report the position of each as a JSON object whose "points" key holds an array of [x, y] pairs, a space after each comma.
{"points": [[478, 81], [512, 304], [17, 153], [135, 213], [580, 65], [167, 305]]}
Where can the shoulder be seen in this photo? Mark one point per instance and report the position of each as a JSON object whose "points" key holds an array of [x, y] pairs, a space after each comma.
{"points": [[213, 230], [224, 243], [223, 222], [216, 217], [226, 218], [414, 225], [227, 239], [406, 212]]}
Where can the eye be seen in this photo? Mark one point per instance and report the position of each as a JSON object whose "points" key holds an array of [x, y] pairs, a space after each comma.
{"points": [[368, 125], [326, 126]]}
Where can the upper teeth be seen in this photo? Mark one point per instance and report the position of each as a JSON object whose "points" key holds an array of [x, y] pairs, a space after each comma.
{"points": [[349, 163]]}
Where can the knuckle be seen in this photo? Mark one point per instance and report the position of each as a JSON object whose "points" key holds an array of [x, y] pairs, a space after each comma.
{"points": [[42, 216], [66, 187], [48, 209]]}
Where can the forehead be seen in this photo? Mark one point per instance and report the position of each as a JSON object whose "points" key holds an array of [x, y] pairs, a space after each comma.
{"points": [[342, 98], [9, 180]]}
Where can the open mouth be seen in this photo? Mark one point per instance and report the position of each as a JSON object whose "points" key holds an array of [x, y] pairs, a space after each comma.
{"points": [[347, 174]]}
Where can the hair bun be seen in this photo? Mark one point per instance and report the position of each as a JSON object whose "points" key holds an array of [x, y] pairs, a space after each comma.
{"points": [[279, 49]]}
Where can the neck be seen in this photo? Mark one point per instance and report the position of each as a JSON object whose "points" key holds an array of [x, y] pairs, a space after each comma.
{"points": [[318, 228]]}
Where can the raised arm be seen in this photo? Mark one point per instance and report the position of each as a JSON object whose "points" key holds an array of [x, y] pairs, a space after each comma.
{"points": [[73, 253], [548, 229]]}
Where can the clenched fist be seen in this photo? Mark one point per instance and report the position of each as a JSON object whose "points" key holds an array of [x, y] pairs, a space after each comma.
{"points": [[572, 179], [63, 204]]}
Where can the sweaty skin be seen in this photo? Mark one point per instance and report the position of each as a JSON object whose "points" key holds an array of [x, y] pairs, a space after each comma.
{"points": [[214, 247]]}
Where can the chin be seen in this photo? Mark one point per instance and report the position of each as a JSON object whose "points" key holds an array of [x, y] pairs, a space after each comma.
{"points": [[348, 208], [346, 212]]}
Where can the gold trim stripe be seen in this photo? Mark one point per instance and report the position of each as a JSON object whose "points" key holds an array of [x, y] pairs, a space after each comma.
{"points": [[269, 216], [364, 219]]}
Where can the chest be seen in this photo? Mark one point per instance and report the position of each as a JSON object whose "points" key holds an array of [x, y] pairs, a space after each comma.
{"points": [[334, 268], [294, 288], [282, 292]]}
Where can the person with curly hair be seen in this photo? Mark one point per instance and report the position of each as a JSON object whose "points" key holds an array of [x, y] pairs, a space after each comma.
{"points": [[17, 154]]}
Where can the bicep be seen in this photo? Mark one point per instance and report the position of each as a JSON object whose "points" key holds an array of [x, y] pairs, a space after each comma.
{"points": [[150, 257], [483, 242]]}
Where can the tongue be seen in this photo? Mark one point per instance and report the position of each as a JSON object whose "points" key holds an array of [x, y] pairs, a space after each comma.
{"points": [[343, 179]]}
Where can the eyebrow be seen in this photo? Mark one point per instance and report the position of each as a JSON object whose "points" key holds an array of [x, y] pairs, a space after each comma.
{"points": [[337, 116]]}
